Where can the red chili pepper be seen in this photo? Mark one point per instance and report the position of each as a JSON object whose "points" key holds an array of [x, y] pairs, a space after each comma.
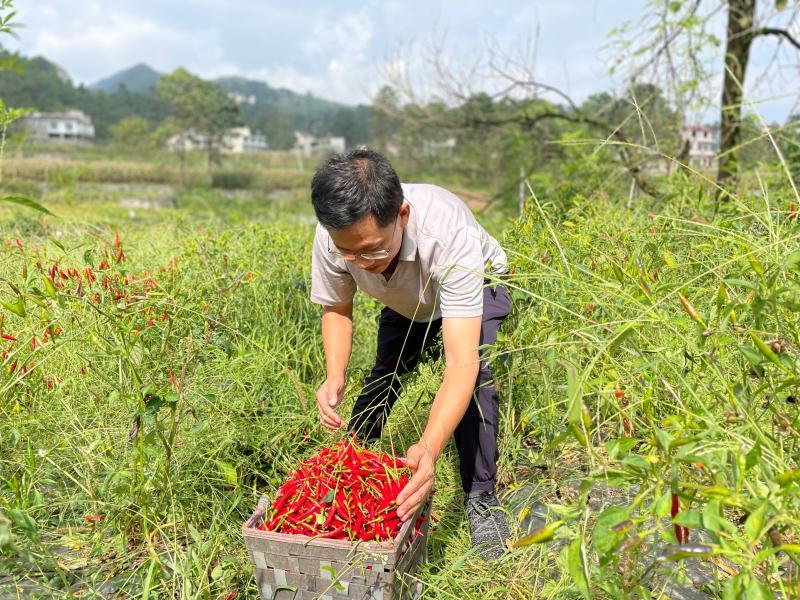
{"points": [[8, 337], [362, 486], [329, 519], [681, 533], [793, 211]]}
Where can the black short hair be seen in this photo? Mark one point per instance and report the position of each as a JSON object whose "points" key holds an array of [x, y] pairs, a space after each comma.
{"points": [[350, 186]]}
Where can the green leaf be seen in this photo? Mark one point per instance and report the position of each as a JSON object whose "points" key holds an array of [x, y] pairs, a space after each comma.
{"points": [[620, 335], [740, 282], [788, 477], [752, 356], [49, 287], [538, 535], [57, 244], [754, 264], [328, 499], [755, 522], [604, 538], [615, 448], [757, 591], [792, 261], [713, 519], [663, 505], [722, 297], [689, 518], [18, 306], [636, 462], [329, 569], [216, 573], [664, 439], [576, 569], [573, 394], [752, 458], [732, 588], [228, 473], [26, 202]]}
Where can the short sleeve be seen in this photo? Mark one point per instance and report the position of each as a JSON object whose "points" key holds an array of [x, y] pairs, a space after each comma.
{"points": [[460, 271], [331, 283]]}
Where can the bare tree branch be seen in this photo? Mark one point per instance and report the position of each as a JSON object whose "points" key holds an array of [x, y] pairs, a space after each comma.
{"points": [[779, 32]]}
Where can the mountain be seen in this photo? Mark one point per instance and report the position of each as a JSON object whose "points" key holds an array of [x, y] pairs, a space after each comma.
{"points": [[138, 78], [262, 92], [277, 113]]}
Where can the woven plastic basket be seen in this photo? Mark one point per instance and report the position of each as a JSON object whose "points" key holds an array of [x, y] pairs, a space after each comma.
{"points": [[299, 567]]}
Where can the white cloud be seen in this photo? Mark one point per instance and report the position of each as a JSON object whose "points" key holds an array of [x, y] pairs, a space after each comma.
{"points": [[112, 40], [338, 51], [341, 51]]}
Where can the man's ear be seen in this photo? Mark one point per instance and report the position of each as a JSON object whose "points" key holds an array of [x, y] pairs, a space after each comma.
{"points": [[405, 211]]}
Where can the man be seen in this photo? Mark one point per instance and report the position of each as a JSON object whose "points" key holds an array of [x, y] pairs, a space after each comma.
{"points": [[419, 250]]}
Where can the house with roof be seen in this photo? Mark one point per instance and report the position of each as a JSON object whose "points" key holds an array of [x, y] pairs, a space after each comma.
{"points": [[71, 126], [308, 145], [702, 143]]}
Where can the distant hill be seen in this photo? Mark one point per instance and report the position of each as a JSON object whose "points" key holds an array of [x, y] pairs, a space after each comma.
{"points": [[277, 113], [264, 93], [138, 78]]}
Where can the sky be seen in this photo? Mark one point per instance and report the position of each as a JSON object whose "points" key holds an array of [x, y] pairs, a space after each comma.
{"points": [[337, 50]]}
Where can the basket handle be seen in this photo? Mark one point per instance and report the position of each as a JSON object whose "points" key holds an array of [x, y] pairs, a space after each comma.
{"points": [[262, 507]]}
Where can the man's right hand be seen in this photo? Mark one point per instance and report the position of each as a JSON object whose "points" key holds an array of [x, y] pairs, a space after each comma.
{"points": [[329, 396]]}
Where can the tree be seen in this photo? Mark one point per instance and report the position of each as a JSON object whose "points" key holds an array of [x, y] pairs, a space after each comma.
{"points": [[200, 109], [497, 95], [133, 134], [789, 139], [741, 30], [674, 46], [7, 116], [345, 124], [383, 121]]}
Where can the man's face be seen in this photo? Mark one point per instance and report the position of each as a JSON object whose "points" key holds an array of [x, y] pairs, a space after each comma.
{"points": [[366, 237]]}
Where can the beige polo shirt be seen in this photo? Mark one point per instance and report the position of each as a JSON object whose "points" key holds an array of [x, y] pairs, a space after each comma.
{"points": [[443, 258]]}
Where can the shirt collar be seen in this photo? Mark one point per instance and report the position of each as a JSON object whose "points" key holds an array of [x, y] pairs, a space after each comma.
{"points": [[408, 248]]}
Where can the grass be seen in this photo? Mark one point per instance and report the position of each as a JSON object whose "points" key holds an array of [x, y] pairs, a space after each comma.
{"points": [[136, 468]]}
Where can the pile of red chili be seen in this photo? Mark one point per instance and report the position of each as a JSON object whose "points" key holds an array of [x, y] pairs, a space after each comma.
{"points": [[343, 492]]}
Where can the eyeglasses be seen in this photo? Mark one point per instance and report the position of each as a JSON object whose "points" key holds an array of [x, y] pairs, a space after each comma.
{"points": [[365, 256]]}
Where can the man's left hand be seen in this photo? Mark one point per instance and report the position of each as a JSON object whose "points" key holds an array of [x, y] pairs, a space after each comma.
{"points": [[421, 461]]}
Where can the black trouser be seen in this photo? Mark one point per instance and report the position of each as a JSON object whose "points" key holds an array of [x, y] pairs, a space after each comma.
{"points": [[401, 344]]}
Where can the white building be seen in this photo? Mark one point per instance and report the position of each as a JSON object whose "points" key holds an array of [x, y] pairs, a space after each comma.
{"points": [[72, 126], [703, 144], [242, 98], [236, 141], [308, 145], [438, 147], [241, 139]]}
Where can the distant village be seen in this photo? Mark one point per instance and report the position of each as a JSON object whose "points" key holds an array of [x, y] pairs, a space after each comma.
{"points": [[76, 127], [699, 143]]}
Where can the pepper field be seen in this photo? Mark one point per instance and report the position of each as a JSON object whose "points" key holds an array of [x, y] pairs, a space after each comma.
{"points": [[159, 368]]}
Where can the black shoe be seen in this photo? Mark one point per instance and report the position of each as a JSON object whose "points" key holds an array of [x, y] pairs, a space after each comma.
{"points": [[488, 524]]}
